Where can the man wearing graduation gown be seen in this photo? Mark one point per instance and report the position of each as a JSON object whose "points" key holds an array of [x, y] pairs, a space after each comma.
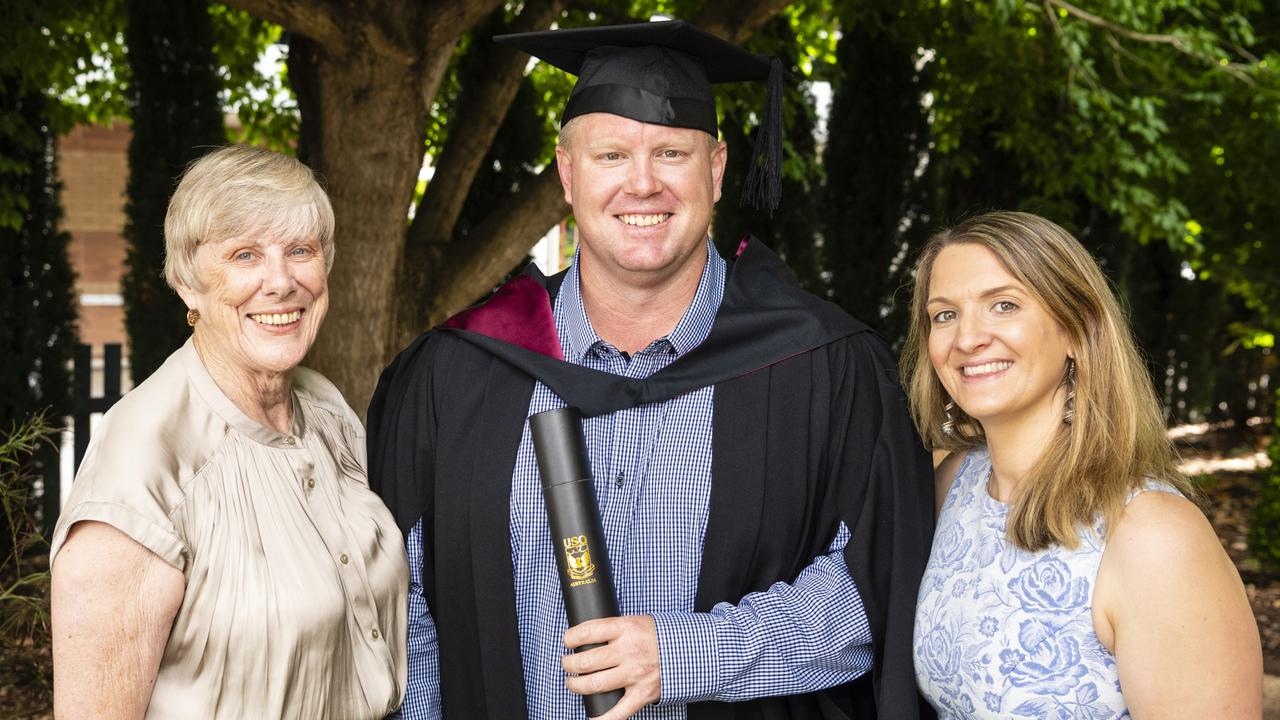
{"points": [[766, 504]]}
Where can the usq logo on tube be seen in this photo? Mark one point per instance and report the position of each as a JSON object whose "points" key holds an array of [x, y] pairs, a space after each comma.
{"points": [[578, 556]]}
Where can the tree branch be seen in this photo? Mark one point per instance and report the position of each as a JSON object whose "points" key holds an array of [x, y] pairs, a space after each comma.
{"points": [[608, 12], [1115, 58], [387, 31], [736, 20], [1120, 29], [459, 16], [471, 132], [498, 243], [445, 23], [314, 18], [1076, 66], [1235, 70]]}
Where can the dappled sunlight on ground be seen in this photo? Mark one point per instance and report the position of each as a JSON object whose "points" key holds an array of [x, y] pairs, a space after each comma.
{"points": [[1210, 466]]}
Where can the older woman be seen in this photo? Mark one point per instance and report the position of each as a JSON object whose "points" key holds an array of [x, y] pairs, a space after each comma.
{"points": [[221, 555], [1070, 577]]}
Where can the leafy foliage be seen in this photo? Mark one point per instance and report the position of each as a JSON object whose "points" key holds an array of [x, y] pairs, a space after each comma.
{"points": [[38, 335], [177, 117], [1129, 108], [24, 581], [1264, 530], [258, 93], [876, 202], [57, 50], [39, 331], [1124, 121]]}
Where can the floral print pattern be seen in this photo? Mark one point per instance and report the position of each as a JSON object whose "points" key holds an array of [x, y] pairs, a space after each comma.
{"points": [[1004, 633]]}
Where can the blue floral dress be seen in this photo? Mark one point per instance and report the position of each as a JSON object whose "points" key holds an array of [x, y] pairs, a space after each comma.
{"points": [[1005, 633]]}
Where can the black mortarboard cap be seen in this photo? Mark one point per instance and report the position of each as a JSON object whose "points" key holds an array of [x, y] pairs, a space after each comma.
{"points": [[661, 73]]}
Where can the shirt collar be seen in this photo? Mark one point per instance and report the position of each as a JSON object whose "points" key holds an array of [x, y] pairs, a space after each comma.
{"points": [[199, 377], [577, 337]]}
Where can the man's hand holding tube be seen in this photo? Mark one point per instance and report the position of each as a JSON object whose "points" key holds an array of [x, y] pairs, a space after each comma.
{"points": [[628, 662]]}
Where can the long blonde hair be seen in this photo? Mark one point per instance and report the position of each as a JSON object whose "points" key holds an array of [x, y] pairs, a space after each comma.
{"points": [[1116, 441]]}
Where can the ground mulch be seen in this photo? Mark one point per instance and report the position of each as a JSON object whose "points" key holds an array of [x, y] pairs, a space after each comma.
{"points": [[26, 665], [23, 669]]}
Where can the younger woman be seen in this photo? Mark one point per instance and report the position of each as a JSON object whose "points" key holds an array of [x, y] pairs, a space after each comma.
{"points": [[1070, 576]]}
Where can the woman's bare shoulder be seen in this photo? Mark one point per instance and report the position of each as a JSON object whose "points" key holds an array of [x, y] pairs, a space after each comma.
{"points": [[1163, 547]]}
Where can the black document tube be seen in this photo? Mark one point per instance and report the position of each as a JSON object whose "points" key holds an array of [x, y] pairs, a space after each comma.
{"points": [[578, 541]]}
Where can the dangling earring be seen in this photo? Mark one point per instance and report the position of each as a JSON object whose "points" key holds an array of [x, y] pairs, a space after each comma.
{"points": [[948, 425], [193, 317], [1069, 407]]}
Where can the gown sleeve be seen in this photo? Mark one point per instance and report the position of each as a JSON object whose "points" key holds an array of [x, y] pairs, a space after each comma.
{"points": [[885, 497], [402, 426]]}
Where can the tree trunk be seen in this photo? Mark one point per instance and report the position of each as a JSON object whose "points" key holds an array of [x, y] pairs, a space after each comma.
{"points": [[362, 131]]}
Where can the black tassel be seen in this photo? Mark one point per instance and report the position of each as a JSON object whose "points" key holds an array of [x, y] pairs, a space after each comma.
{"points": [[763, 186]]}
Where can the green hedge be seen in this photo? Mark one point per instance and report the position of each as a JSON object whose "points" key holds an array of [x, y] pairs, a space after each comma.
{"points": [[1264, 530]]}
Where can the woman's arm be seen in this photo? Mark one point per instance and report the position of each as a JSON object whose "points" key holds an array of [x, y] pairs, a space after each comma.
{"points": [[113, 603], [1171, 606]]}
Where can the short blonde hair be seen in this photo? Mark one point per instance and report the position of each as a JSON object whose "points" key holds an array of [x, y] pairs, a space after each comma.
{"points": [[238, 189], [567, 131], [1116, 441], [565, 136]]}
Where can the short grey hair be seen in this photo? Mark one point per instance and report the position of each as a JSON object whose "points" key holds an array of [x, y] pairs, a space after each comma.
{"points": [[238, 189]]}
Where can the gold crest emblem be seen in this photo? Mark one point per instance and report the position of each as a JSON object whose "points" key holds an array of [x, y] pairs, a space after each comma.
{"points": [[578, 557]]}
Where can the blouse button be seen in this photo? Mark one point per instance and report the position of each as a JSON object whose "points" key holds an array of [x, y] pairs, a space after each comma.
{"points": [[311, 483], [343, 558], [376, 634], [289, 440]]}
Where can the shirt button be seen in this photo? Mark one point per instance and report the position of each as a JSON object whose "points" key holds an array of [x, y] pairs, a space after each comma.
{"points": [[311, 482], [376, 634], [343, 558], [620, 479], [289, 440]]}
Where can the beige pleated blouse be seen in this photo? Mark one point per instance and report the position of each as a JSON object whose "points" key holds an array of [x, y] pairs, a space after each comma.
{"points": [[296, 572]]}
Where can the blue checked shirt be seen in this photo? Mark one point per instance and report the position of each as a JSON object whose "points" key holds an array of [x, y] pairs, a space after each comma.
{"points": [[652, 468]]}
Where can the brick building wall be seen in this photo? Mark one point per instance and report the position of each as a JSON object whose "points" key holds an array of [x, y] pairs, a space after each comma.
{"points": [[93, 166]]}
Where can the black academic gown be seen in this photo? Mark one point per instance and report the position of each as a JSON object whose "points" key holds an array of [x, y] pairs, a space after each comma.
{"points": [[810, 428]]}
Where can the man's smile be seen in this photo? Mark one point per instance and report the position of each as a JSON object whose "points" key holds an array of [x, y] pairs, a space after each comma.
{"points": [[644, 220]]}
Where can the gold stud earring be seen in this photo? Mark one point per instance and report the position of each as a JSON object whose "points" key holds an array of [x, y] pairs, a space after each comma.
{"points": [[193, 317]]}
